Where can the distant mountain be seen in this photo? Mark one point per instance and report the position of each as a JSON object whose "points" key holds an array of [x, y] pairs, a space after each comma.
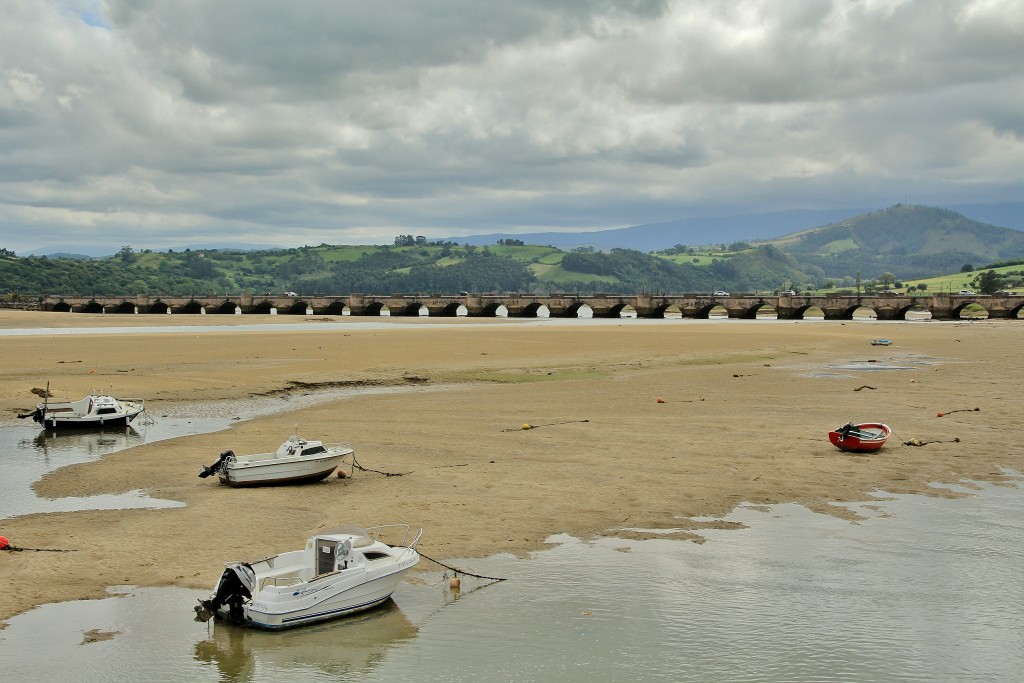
{"points": [[686, 231], [725, 229], [1005, 215], [906, 240]]}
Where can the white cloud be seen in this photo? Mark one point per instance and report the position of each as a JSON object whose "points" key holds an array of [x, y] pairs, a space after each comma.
{"points": [[341, 121]]}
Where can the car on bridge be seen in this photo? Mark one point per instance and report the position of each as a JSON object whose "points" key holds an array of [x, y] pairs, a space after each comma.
{"points": [[787, 292], [719, 293], [967, 292]]}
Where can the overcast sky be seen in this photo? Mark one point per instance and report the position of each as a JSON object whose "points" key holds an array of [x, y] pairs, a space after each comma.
{"points": [[162, 123]]}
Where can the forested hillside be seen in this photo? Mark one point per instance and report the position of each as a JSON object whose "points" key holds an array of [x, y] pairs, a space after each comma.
{"points": [[899, 243], [910, 241]]}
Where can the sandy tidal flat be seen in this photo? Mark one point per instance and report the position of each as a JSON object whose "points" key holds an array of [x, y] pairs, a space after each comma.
{"points": [[636, 428]]}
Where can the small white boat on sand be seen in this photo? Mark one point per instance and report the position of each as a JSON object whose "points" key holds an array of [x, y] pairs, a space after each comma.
{"points": [[339, 572], [93, 411], [295, 461]]}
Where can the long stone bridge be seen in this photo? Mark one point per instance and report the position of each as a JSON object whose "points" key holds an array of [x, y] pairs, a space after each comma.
{"points": [[940, 306]]}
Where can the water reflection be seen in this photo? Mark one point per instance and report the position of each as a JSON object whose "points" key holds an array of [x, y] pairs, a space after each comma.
{"points": [[340, 648], [923, 589], [91, 443]]}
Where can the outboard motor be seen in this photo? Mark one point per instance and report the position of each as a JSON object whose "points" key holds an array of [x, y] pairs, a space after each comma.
{"points": [[235, 586], [216, 467], [36, 415]]}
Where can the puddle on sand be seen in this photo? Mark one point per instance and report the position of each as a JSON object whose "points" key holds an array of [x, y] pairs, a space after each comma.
{"points": [[36, 452]]}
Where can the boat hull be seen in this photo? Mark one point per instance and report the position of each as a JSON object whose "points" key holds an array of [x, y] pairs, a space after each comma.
{"points": [[348, 595], [88, 422], [866, 437], [272, 472]]}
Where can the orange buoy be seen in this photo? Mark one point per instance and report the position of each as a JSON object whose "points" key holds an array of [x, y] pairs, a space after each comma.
{"points": [[454, 582], [940, 414], [341, 474], [3, 542], [661, 400]]}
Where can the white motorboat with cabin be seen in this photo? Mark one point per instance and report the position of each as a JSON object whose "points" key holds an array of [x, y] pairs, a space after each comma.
{"points": [[93, 411], [339, 572], [295, 461]]}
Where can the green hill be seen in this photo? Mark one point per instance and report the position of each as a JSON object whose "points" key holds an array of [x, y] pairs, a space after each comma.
{"points": [[909, 241]]}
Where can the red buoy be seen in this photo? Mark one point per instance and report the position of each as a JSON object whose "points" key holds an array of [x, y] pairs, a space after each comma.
{"points": [[3, 542]]}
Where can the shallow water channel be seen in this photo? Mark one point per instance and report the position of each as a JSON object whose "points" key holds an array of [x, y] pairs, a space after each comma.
{"points": [[923, 589]]}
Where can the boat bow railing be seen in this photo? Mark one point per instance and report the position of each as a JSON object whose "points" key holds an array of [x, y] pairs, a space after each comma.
{"points": [[377, 531]]}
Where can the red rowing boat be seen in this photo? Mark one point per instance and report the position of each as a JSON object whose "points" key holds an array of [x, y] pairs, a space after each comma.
{"points": [[860, 438]]}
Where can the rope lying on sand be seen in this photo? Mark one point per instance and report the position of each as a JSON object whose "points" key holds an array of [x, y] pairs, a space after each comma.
{"points": [[460, 571], [356, 465], [549, 424], [864, 386], [918, 442], [5, 545], [961, 410]]}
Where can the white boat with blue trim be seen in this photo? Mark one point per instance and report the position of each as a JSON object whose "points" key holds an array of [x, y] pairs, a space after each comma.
{"points": [[340, 572]]}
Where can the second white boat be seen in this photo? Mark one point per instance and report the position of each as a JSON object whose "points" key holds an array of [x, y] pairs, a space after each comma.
{"points": [[295, 461]]}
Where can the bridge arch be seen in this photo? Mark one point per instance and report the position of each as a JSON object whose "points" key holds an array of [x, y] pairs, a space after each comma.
{"points": [[62, 307], [338, 308], [126, 307], [959, 312], [192, 307], [703, 312], [413, 309], [93, 306], [800, 312], [495, 309], [297, 308], [535, 309], [377, 308], [622, 310], [158, 307], [761, 309], [454, 309], [666, 311], [264, 307], [228, 308]]}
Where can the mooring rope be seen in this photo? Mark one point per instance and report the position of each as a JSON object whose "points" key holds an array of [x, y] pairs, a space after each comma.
{"points": [[460, 571], [548, 424], [355, 464], [961, 410]]}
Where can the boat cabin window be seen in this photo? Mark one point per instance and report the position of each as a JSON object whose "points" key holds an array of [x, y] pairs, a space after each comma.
{"points": [[313, 450], [375, 555], [106, 411]]}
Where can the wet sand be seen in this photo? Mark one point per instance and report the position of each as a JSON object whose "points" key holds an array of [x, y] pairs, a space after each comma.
{"points": [[743, 414]]}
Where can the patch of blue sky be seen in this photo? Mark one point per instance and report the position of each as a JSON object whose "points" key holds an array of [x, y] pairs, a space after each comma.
{"points": [[90, 13]]}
